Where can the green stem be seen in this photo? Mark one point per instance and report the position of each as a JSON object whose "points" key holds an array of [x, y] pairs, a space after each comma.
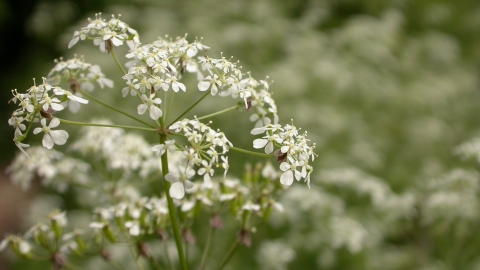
{"points": [[118, 63], [191, 107], [172, 209], [220, 112], [229, 254], [211, 232], [134, 253], [105, 125], [113, 108], [251, 152]]}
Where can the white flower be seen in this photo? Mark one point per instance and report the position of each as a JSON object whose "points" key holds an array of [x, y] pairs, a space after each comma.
{"points": [[53, 103], [161, 148], [176, 85], [51, 137], [289, 172], [210, 82], [158, 83], [133, 228], [207, 172], [150, 104], [180, 182], [132, 87]]}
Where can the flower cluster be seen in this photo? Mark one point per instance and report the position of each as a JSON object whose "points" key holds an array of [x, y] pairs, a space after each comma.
{"points": [[207, 150], [159, 66], [107, 35], [48, 236], [226, 79], [38, 105], [140, 217], [78, 74], [54, 168], [293, 151]]}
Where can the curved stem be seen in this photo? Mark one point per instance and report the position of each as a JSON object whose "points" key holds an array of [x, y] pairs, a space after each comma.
{"points": [[118, 63], [229, 254], [172, 211], [191, 107], [104, 125], [220, 112], [113, 108], [251, 152]]}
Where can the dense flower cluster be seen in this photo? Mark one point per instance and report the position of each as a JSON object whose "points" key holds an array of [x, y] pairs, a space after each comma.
{"points": [[79, 75], [107, 35], [294, 151], [207, 150], [139, 217], [38, 104]]}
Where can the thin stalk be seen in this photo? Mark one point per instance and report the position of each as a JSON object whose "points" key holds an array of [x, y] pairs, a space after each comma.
{"points": [[220, 112], [191, 107], [104, 125], [172, 211], [71, 266], [211, 232], [250, 152], [229, 254], [152, 263], [118, 63], [113, 108]]}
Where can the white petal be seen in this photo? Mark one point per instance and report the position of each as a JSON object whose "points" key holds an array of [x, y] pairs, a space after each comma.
{"points": [[73, 42], [257, 131], [214, 90], [182, 86], [175, 87], [259, 143], [285, 166], [57, 107], [203, 86], [47, 141], [155, 112], [142, 108], [117, 42], [207, 180], [188, 185], [78, 99], [158, 147], [177, 190], [298, 175], [54, 123], [269, 148], [171, 177], [37, 130], [286, 178], [59, 136]]}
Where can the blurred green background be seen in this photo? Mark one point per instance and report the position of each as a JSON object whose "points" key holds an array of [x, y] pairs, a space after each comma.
{"points": [[386, 89]]}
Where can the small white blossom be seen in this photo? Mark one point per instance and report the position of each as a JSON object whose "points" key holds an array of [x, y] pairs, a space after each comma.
{"points": [[161, 148], [51, 137], [150, 104], [180, 182]]}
